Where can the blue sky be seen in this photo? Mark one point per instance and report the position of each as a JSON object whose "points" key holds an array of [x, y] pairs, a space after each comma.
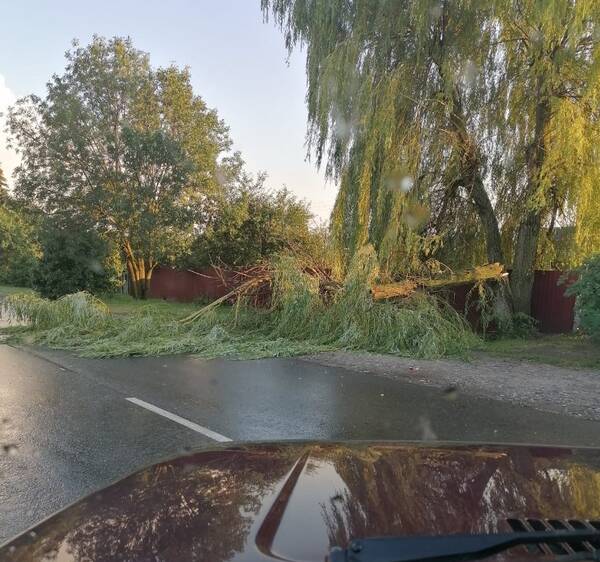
{"points": [[238, 65]]}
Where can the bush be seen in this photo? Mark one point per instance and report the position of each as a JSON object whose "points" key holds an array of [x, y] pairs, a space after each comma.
{"points": [[75, 259], [253, 224], [587, 291], [19, 251]]}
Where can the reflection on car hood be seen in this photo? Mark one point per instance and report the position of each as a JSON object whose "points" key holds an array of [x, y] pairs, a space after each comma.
{"points": [[293, 501]]}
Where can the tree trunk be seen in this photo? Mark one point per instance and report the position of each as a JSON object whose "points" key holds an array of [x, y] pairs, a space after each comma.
{"points": [[471, 179], [140, 273], [521, 279], [473, 182], [487, 216]]}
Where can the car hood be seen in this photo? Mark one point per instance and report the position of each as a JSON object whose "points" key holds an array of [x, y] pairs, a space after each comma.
{"points": [[292, 501]]}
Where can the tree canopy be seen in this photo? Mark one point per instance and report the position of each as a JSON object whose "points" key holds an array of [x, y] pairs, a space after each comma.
{"points": [[466, 123], [125, 148], [254, 223]]}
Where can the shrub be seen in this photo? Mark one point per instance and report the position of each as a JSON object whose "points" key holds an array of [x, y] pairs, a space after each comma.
{"points": [[19, 251], [75, 259], [587, 291]]}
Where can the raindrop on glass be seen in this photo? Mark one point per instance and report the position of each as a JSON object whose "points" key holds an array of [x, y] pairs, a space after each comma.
{"points": [[406, 184], [451, 392], [10, 449], [436, 10], [469, 72]]}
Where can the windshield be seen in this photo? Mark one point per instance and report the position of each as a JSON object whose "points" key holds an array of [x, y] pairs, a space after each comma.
{"points": [[328, 221]]}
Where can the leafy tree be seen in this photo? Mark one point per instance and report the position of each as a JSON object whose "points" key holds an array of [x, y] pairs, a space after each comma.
{"points": [[549, 92], [451, 106], [128, 148], [19, 250], [587, 291], [253, 223], [75, 258]]}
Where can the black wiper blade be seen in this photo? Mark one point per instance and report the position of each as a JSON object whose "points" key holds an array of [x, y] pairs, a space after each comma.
{"points": [[449, 548]]}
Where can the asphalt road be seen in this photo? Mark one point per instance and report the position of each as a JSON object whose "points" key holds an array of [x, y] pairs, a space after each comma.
{"points": [[70, 425]]}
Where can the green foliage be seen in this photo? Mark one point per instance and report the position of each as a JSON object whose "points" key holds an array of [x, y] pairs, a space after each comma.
{"points": [[445, 120], [75, 258], [253, 224], [524, 326], [130, 148], [587, 291], [298, 322], [19, 250]]}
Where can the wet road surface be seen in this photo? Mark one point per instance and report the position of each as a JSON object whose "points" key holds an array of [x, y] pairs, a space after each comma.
{"points": [[72, 425]]}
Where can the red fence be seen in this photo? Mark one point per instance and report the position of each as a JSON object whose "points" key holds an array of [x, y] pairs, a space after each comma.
{"points": [[554, 311], [550, 307], [186, 285]]}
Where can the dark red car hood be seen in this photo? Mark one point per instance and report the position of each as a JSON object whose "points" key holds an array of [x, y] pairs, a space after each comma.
{"points": [[292, 501]]}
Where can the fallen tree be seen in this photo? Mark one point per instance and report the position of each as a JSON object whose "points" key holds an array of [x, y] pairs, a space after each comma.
{"points": [[407, 287], [253, 284]]}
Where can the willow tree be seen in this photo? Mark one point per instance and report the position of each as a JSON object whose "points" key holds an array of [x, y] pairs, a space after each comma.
{"points": [[129, 149], [548, 92], [395, 95], [429, 104]]}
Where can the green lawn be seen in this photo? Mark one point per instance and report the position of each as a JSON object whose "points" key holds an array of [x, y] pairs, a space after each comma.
{"points": [[6, 290], [124, 304], [564, 350]]}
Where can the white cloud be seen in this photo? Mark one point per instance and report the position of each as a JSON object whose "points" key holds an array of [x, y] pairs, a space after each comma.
{"points": [[8, 158]]}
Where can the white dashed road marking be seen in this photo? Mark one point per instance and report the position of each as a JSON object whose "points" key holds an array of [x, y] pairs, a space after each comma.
{"points": [[178, 419]]}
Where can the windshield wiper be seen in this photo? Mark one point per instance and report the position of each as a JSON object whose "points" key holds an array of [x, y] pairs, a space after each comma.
{"points": [[451, 548]]}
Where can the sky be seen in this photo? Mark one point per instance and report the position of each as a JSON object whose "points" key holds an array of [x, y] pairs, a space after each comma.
{"points": [[238, 63]]}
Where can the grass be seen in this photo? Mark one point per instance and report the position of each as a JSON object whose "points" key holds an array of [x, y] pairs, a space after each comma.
{"points": [[298, 322], [563, 350], [127, 305], [6, 290]]}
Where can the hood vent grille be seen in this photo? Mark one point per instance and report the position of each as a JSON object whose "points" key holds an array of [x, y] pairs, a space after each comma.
{"points": [[530, 524]]}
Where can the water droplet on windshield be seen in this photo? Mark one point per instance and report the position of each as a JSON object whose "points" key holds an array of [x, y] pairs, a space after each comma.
{"points": [[96, 267], [436, 11], [451, 392], [10, 449], [416, 215], [469, 72], [399, 182], [536, 36], [427, 433]]}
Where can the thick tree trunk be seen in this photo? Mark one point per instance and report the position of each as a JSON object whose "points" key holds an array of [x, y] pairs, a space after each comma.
{"points": [[473, 182], [521, 279], [487, 216], [471, 179], [140, 273]]}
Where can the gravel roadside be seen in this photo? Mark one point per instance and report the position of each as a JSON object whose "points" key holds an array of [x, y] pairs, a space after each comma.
{"points": [[543, 387]]}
